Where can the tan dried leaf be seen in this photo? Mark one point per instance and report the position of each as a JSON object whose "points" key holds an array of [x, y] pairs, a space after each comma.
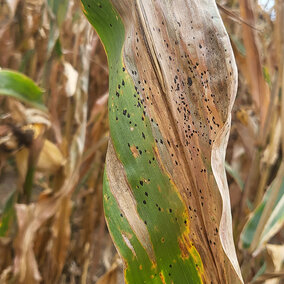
{"points": [[30, 218], [50, 159], [72, 79], [111, 276]]}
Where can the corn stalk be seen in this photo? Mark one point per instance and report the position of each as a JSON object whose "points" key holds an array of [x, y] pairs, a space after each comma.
{"points": [[173, 81]]}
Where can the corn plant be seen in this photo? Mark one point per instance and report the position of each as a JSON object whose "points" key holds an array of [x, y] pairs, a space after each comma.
{"points": [[172, 84]]}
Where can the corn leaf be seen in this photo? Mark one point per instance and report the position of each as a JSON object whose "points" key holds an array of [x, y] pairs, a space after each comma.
{"points": [[235, 175], [172, 85], [268, 217], [7, 215], [21, 87]]}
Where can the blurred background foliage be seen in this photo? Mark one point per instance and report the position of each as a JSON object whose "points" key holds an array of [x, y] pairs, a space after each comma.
{"points": [[53, 142]]}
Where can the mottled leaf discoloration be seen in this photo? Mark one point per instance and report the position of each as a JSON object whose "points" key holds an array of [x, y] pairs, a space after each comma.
{"points": [[172, 85]]}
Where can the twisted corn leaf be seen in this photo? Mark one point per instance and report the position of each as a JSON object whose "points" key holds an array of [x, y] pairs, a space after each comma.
{"points": [[172, 85]]}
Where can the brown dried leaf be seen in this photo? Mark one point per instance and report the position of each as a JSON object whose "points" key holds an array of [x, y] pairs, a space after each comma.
{"points": [[25, 266], [59, 242], [13, 6], [111, 276], [259, 88], [30, 218]]}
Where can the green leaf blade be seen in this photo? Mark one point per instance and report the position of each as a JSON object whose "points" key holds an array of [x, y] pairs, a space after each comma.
{"points": [[7, 215], [21, 87]]}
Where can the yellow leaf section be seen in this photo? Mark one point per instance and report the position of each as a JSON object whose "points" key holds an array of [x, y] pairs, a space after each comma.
{"points": [[186, 246], [188, 250], [134, 151], [162, 277]]}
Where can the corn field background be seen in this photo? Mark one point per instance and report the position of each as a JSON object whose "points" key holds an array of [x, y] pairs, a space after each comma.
{"points": [[52, 226]]}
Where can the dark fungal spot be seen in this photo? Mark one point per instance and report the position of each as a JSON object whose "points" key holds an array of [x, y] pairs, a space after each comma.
{"points": [[141, 182], [117, 94], [123, 83], [121, 215], [189, 81], [124, 112], [146, 193], [144, 201]]}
